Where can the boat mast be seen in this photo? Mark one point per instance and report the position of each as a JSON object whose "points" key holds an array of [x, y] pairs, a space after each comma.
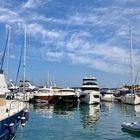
{"points": [[9, 38], [131, 59], [24, 65]]}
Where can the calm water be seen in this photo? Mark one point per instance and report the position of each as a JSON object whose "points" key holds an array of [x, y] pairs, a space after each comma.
{"points": [[81, 122]]}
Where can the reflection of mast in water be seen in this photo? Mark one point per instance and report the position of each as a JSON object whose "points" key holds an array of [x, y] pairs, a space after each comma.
{"points": [[66, 110], [89, 115], [107, 105], [44, 110], [129, 110]]}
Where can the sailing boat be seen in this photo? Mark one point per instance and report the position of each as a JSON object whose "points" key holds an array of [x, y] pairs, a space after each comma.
{"points": [[26, 96], [133, 97], [12, 111]]}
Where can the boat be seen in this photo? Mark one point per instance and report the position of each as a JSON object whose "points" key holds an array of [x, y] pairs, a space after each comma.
{"points": [[29, 87], [133, 97], [134, 126], [44, 95], [12, 112], [90, 93], [107, 95], [65, 95]]}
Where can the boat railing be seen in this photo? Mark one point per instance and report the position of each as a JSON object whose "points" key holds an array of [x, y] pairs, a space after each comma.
{"points": [[14, 106]]}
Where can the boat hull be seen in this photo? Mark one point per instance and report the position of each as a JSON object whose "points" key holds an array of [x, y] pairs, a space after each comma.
{"points": [[90, 97], [4, 129], [46, 99], [132, 99], [108, 97], [63, 99], [131, 127]]}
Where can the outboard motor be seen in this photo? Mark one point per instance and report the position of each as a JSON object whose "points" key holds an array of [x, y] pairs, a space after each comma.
{"points": [[12, 129]]}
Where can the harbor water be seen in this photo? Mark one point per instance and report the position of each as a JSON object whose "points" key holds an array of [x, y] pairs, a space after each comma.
{"points": [[79, 122]]}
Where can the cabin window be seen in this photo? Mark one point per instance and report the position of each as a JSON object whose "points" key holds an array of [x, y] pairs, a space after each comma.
{"points": [[96, 96]]}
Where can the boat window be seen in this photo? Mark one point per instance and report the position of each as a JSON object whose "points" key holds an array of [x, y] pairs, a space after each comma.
{"points": [[95, 89], [96, 96], [89, 83]]}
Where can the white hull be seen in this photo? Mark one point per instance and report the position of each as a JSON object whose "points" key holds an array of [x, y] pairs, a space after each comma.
{"points": [[133, 99], [90, 97], [108, 97]]}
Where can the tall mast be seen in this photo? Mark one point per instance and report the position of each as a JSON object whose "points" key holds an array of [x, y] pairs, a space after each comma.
{"points": [[9, 37], [24, 65], [131, 57]]}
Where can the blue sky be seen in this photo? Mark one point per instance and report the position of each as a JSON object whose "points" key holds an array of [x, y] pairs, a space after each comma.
{"points": [[71, 39]]}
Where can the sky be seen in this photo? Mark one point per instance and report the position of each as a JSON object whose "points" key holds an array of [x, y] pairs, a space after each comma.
{"points": [[70, 39]]}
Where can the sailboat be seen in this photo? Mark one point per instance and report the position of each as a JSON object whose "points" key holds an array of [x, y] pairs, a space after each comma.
{"points": [[24, 94], [12, 111], [133, 97]]}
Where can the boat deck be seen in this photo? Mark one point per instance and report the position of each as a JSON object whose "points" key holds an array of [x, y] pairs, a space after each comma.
{"points": [[10, 108]]}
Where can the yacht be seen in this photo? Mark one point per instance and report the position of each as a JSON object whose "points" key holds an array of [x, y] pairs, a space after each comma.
{"points": [[28, 86], [131, 98], [44, 95], [134, 97], [65, 95], [12, 112], [90, 93], [107, 94]]}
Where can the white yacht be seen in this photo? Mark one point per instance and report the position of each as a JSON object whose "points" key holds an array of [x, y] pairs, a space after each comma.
{"points": [[131, 98], [44, 95], [65, 95], [107, 95], [90, 93]]}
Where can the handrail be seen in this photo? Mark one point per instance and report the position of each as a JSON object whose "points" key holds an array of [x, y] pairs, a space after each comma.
{"points": [[10, 107]]}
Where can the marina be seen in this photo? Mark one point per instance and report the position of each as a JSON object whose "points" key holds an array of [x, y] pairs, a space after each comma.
{"points": [[69, 70]]}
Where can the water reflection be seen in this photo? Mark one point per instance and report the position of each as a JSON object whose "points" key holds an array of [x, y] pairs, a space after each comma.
{"points": [[44, 110], [89, 114], [106, 106], [50, 111], [66, 110], [129, 110]]}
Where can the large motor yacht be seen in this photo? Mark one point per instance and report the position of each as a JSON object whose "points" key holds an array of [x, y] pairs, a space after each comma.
{"points": [[65, 95], [90, 91]]}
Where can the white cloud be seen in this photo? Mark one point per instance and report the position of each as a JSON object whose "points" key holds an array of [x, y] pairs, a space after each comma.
{"points": [[54, 56], [9, 17], [35, 3]]}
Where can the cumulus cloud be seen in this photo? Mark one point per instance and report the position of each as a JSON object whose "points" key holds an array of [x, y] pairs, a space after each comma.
{"points": [[34, 3]]}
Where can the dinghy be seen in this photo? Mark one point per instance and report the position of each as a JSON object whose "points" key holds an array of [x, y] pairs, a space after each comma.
{"points": [[134, 126]]}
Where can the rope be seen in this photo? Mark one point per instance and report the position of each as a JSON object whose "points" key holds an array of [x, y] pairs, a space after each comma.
{"points": [[19, 65], [2, 61]]}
